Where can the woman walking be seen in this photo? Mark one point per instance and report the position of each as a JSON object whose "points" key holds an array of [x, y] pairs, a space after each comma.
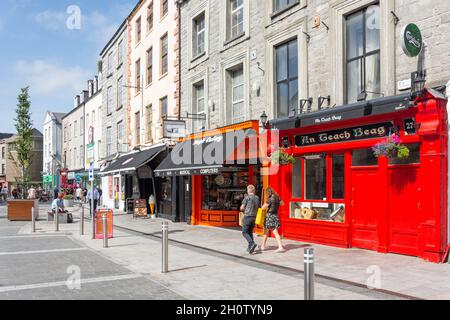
{"points": [[272, 219]]}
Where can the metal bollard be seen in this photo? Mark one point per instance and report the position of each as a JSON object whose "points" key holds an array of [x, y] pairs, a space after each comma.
{"points": [[165, 247], [33, 221], [105, 230], [82, 220], [56, 220], [309, 273]]}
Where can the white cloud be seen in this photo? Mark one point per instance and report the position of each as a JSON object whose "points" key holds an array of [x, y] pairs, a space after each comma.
{"points": [[53, 20], [46, 78]]}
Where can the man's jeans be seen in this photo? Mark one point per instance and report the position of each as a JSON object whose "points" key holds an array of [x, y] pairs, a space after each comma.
{"points": [[247, 230], [90, 206]]}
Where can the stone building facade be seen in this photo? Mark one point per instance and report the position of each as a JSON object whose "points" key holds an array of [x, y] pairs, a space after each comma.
{"points": [[113, 80], [52, 157], [282, 52]]}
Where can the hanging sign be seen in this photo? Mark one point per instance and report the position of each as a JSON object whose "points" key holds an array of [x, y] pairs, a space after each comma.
{"points": [[412, 42], [370, 131]]}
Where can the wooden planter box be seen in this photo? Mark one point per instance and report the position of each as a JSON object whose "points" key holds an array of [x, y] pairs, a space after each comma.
{"points": [[20, 210]]}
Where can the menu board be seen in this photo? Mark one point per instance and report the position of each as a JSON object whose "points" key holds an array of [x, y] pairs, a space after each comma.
{"points": [[140, 208]]}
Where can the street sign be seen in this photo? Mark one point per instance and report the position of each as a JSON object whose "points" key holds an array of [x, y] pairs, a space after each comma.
{"points": [[412, 42], [91, 172]]}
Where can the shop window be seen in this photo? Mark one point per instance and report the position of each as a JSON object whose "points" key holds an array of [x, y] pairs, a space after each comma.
{"points": [[338, 171], [332, 212], [414, 156], [364, 157], [224, 192], [297, 178], [315, 177]]}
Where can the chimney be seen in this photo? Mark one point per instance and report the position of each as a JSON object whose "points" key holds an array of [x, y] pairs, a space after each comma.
{"points": [[76, 101], [96, 84], [91, 88]]}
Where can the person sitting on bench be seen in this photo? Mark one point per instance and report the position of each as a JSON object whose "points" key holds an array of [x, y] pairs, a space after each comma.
{"points": [[58, 204]]}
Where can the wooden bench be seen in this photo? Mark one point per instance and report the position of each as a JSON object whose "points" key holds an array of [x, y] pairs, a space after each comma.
{"points": [[62, 217]]}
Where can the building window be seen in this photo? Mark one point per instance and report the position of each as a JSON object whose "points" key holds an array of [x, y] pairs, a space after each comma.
{"points": [[286, 77], [3, 152], [138, 76], [120, 134], [316, 178], [138, 30], [110, 62], [75, 126], [93, 118], [164, 7], [109, 101], [120, 50], [150, 65], [137, 128], [3, 169], [163, 107], [338, 175], [297, 178], [363, 158], [199, 35], [150, 17], [199, 105], [282, 4], [164, 55], [149, 123], [363, 53], [70, 132], [236, 24], [75, 158], [120, 89], [108, 141], [87, 121], [236, 93], [81, 156], [81, 126]]}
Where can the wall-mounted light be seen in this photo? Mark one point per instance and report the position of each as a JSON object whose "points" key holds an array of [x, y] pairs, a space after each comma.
{"points": [[264, 119]]}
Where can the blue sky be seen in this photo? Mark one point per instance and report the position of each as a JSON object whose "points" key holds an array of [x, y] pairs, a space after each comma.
{"points": [[38, 49]]}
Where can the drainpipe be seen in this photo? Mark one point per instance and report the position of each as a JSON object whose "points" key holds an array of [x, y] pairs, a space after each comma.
{"points": [[179, 4]]}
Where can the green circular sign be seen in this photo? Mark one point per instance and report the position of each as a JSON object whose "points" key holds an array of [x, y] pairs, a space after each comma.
{"points": [[412, 43]]}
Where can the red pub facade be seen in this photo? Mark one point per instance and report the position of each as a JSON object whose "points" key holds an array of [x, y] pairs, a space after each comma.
{"points": [[339, 193]]}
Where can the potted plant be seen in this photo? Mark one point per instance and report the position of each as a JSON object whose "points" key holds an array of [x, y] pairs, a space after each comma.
{"points": [[68, 200], [281, 157], [392, 147]]}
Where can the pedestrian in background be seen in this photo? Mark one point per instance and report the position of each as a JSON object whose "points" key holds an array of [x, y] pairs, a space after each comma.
{"points": [[55, 193], [32, 193], [79, 193], [272, 219], [250, 206], [96, 197]]}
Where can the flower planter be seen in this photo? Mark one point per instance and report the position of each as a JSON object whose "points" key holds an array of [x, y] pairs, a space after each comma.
{"points": [[20, 210], [68, 203]]}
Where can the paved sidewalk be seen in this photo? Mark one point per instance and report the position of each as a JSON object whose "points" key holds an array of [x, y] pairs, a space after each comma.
{"points": [[198, 274]]}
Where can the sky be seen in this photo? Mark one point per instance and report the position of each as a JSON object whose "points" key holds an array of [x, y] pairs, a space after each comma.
{"points": [[47, 45]]}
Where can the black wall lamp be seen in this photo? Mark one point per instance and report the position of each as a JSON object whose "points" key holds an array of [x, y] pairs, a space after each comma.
{"points": [[321, 100], [306, 103], [263, 118]]}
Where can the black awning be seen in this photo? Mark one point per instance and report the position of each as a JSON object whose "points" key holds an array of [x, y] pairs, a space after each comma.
{"points": [[133, 161], [210, 155], [374, 107]]}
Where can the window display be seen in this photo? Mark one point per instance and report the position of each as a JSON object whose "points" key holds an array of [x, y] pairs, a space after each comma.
{"points": [[224, 192], [333, 212]]}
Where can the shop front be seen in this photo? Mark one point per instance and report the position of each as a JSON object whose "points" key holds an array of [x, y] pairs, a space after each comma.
{"points": [[214, 168], [338, 192], [130, 178]]}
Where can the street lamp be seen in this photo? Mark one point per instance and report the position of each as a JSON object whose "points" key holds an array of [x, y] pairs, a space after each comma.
{"points": [[263, 119]]}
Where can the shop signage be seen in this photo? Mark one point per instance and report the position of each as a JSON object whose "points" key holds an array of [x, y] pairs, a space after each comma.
{"points": [[140, 208], [71, 176], [410, 126], [189, 172], [342, 135], [412, 43], [174, 129]]}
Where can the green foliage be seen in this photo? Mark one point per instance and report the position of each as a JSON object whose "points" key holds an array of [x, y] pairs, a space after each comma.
{"points": [[68, 197], [281, 157], [402, 152], [23, 146]]}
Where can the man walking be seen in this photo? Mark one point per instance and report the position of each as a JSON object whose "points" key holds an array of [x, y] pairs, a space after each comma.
{"points": [[96, 196], [250, 206]]}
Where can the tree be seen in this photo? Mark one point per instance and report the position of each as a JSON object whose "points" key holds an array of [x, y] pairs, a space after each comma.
{"points": [[23, 145]]}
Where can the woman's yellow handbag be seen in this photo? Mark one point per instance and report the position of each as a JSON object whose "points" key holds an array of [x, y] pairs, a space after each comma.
{"points": [[260, 217], [241, 219]]}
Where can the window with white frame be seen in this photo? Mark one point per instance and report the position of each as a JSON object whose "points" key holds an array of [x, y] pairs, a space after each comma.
{"points": [[108, 141], [236, 18], [81, 156], [120, 90], [75, 157], [150, 65], [75, 126], [199, 105], [138, 76], [150, 17], [199, 35], [236, 90], [164, 8], [120, 52], [163, 107], [109, 100], [164, 55], [110, 63], [120, 135], [137, 128], [138, 30], [81, 126], [282, 4], [363, 74], [286, 77], [149, 123]]}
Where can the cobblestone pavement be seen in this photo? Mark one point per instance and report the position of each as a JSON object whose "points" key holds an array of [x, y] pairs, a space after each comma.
{"points": [[45, 267]]}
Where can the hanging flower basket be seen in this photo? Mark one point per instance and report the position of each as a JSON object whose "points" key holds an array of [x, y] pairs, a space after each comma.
{"points": [[281, 157], [391, 148]]}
